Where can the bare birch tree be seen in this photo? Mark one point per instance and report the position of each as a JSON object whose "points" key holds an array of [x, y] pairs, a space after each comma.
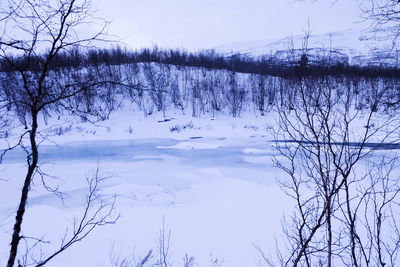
{"points": [[33, 35], [323, 145]]}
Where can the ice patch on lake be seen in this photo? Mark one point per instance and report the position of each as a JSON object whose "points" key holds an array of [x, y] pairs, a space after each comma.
{"points": [[192, 145], [255, 151]]}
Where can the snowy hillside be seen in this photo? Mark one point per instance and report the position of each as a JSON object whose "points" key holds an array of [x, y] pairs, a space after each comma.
{"points": [[349, 46]]}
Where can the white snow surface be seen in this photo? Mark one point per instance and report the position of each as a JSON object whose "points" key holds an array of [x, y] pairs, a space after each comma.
{"points": [[213, 182]]}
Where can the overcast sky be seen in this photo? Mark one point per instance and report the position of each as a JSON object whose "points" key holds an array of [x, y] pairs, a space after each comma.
{"points": [[198, 24]]}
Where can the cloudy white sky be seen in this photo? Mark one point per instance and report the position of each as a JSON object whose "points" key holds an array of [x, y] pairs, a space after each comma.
{"points": [[198, 24]]}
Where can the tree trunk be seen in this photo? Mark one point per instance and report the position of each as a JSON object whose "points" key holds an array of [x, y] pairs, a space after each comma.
{"points": [[32, 164]]}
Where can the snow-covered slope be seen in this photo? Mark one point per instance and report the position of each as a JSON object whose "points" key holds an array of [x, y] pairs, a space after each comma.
{"points": [[349, 46]]}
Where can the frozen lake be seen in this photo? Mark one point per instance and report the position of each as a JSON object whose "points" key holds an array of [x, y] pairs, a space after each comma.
{"points": [[194, 151], [211, 191]]}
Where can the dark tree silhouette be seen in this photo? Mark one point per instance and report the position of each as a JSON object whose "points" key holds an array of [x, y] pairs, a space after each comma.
{"points": [[36, 37]]}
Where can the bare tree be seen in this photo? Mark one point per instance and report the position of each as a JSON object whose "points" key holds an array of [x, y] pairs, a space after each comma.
{"points": [[384, 17], [33, 34], [164, 245], [323, 144], [158, 77], [198, 92], [236, 95], [189, 261]]}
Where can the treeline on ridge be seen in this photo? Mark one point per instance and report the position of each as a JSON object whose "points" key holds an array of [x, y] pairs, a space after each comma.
{"points": [[197, 84], [209, 59]]}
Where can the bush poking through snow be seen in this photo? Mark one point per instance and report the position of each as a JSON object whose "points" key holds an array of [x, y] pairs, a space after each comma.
{"points": [[159, 257], [179, 127]]}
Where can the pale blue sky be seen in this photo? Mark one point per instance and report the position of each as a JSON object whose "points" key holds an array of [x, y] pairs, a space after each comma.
{"points": [[197, 24]]}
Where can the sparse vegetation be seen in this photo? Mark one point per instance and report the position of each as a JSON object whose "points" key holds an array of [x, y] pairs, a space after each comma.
{"points": [[179, 127]]}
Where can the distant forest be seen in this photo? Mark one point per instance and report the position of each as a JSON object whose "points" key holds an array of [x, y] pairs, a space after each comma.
{"points": [[208, 59]]}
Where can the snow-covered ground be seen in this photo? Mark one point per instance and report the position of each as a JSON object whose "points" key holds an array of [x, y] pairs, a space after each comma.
{"points": [[211, 179], [351, 46]]}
